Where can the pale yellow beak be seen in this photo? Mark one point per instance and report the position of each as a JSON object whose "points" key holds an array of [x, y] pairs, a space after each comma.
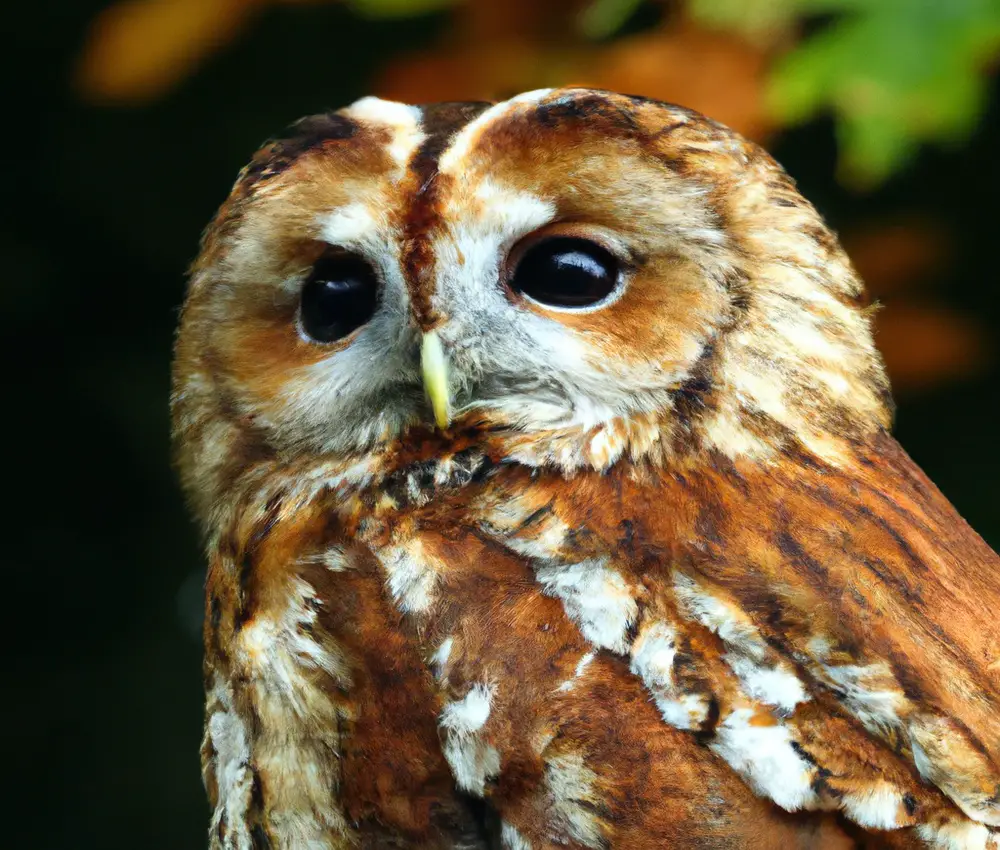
{"points": [[434, 365]]}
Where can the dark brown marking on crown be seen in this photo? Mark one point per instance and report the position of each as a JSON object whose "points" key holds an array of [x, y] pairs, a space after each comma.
{"points": [[591, 107], [440, 123], [299, 138]]}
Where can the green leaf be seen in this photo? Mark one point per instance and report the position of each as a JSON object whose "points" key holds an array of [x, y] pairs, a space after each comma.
{"points": [[802, 80], [894, 73], [750, 17], [603, 18], [871, 151]]}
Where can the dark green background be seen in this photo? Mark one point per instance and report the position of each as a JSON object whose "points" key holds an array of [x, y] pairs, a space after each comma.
{"points": [[103, 208]]}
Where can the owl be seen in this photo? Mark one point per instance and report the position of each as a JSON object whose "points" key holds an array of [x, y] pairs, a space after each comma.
{"points": [[541, 451]]}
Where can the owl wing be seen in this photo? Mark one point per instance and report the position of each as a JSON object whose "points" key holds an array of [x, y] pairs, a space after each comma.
{"points": [[825, 634], [863, 587], [542, 713]]}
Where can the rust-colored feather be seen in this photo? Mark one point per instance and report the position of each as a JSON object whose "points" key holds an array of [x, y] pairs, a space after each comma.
{"points": [[665, 580]]}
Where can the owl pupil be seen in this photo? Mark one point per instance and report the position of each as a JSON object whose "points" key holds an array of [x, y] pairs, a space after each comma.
{"points": [[339, 296], [566, 272]]}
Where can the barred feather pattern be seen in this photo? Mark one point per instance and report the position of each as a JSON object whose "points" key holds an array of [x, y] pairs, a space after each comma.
{"points": [[665, 579], [604, 674]]}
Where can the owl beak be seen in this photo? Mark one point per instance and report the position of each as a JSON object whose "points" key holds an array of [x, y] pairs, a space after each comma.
{"points": [[434, 366]]}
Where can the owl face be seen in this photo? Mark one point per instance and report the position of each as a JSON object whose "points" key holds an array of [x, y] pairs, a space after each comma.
{"points": [[582, 273]]}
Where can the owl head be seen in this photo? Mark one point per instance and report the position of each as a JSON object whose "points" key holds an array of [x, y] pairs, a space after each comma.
{"points": [[576, 276]]}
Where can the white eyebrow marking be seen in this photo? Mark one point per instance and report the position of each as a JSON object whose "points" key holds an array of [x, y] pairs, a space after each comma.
{"points": [[402, 119], [468, 135], [350, 225]]}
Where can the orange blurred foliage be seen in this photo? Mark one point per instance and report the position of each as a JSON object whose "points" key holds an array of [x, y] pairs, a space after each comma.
{"points": [[893, 255], [715, 73], [924, 343], [138, 49]]}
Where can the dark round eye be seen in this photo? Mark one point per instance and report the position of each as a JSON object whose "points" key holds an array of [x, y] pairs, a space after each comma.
{"points": [[340, 295], [566, 272]]}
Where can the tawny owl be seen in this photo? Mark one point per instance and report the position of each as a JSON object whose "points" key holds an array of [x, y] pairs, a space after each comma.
{"points": [[542, 454]]}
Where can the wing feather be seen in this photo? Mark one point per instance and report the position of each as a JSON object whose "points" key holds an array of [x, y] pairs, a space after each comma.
{"points": [[827, 631]]}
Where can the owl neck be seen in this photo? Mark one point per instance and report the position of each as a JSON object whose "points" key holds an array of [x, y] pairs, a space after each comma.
{"points": [[425, 467]]}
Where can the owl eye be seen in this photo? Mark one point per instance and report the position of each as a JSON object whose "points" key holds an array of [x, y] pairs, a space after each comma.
{"points": [[566, 271], [339, 296]]}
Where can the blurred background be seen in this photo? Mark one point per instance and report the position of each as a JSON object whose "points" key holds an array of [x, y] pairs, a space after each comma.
{"points": [[128, 123]]}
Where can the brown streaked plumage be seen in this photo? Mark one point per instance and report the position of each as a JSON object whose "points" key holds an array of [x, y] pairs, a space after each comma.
{"points": [[660, 578]]}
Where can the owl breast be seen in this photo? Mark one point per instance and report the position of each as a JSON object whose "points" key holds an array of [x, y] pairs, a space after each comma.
{"points": [[602, 671]]}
